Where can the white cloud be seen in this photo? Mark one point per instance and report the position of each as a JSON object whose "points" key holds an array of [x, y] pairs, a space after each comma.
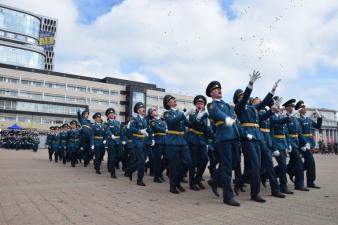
{"points": [[189, 43]]}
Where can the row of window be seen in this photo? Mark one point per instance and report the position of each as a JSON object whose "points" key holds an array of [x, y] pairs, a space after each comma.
{"points": [[57, 98], [68, 87], [154, 98], [34, 119]]}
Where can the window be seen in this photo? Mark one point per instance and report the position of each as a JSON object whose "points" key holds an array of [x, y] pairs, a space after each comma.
{"points": [[55, 85], [8, 117], [9, 80], [75, 99], [152, 98], [6, 104], [31, 95], [54, 98], [32, 83], [7, 92], [100, 91], [99, 102], [114, 93], [71, 87], [113, 104]]}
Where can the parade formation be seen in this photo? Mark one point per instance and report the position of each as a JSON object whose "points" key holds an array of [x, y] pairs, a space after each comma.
{"points": [[182, 144]]}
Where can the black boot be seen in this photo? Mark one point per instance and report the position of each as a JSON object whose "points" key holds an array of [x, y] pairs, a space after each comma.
{"points": [[213, 187]]}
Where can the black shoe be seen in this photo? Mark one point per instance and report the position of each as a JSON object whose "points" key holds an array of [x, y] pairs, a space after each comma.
{"points": [[213, 187], [98, 172], [151, 174], [201, 186], [278, 195], [162, 178], [194, 187], [302, 189], [157, 181], [85, 165], [231, 202], [73, 165], [236, 188], [180, 188], [287, 192], [258, 199], [174, 191], [264, 182], [313, 186], [140, 183], [242, 189], [113, 176], [184, 180]]}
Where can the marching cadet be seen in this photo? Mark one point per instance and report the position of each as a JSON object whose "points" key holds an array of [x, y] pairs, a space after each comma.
{"points": [[266, 146], [49, 140], [112, 129], [63, 143], [86, 133], [278, 125], [149, 144], [252, 147], [226, 138], [98, 136], [306, 125], [73, 142], [295, 140], [196, 138], [158, 127], [176, 145], [127, 142], [56, 143], [138, 128]]}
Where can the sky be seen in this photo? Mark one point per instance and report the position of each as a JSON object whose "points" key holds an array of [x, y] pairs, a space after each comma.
{"points": [[182, 45]]}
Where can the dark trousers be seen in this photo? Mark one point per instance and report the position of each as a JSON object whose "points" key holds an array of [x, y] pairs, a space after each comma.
{"points": [[236, 159], [281, 170], [179, 163], [158, 160], [73, 155], [149, 150], [252, 152], [50, 153], [296, 167], [199, 159], [87, 152], [310, 167], [137, 160], [267, 166], [98, 152], [112, 155]]}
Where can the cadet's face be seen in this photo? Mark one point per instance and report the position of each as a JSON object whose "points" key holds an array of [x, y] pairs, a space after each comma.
{"points": [[154, 113], [199, 106], [289, 109], [172, 103], [111, 116], [85, 115], [302, 110], [73, 126], [256, 101], [98, 119], [216, 93], [141, 111]]}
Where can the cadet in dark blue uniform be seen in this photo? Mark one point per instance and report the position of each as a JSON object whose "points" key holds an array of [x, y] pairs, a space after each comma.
{"points": [[226, 138], [295, 140], [197, 142], [56, 143], [73, 142], [149, 144], [49, 140], [86, 133], [280, 147], [249, 119], [307, 125], [98, 136], [63, 143], [176, 145], [112, 129], [158, 127], [138, 128]]}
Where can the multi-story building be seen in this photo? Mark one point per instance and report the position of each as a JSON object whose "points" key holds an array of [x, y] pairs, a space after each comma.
{"points": [[39, 98], [26, 39]]}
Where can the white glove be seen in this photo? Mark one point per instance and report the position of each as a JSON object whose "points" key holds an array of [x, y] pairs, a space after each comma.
{"points": [[200, 114], [189, 112], [276, 153], [229, 121], [113, 136], [274, 87], [289, 149], [317, 112], [81, 148], [124, 142], [152, 143], [255, 76], [249, 137], [303, 149], [104, 142], [92, 147], [308, 146], [278, 102], [47, 146], [144, 132]]}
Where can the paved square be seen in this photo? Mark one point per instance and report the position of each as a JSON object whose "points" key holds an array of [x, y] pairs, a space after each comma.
{"points": [[36, 191]]}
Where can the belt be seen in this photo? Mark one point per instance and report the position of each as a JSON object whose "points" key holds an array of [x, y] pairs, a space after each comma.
{"points": [[98, 137], [55, 142], [139, 135], [219, 123], [86, 126], [159, 134], [249, 125], [279, 136], [307, 135], [293, 135], [196, 131], [265, 130], [116, 137], [175, 132], [129, 141], [63, 141], [74, 139]]}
